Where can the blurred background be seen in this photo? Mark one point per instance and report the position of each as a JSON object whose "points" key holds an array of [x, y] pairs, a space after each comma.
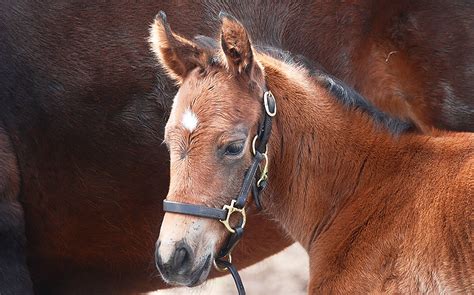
{"points": [[285, 273]]}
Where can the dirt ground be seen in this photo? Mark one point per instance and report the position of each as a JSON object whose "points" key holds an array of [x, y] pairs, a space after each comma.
{"points": [[282, 274]]}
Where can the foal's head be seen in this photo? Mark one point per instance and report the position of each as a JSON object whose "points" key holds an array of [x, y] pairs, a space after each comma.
{"points": [[214, 117]]}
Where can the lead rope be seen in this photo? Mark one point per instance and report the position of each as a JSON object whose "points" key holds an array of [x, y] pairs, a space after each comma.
{"points": [[259, 150]]}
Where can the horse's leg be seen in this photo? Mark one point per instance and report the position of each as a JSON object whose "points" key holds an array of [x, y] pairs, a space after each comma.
{"points": [[14, 274]]}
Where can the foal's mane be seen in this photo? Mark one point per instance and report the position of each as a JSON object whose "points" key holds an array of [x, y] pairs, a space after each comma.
{"points": [[349, 97], [343, 93]]}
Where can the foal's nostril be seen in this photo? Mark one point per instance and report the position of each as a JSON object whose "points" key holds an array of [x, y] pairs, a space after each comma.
{"points": [[182, 260], [179, 263], [179, 257]]}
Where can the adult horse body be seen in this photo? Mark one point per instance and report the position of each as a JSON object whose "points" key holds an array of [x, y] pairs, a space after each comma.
{"points": [[376, 212], [82, 113]]}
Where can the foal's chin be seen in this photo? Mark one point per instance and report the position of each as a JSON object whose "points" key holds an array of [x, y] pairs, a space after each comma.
{"points": [[200, 275]]}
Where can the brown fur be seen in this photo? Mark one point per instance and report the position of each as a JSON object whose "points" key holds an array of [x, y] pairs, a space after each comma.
{"points": [[85, 109], [376, 213]]}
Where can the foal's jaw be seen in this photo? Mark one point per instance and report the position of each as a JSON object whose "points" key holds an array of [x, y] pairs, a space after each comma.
{"points": [[185, 249]]}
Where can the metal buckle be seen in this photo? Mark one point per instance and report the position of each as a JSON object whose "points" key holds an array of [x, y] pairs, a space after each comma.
{"points": [[266, 95], [264, 175], [230, 210], [222, 269]]}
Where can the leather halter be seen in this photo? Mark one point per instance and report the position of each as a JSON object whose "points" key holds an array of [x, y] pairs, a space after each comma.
{"points": [[237, 205]]}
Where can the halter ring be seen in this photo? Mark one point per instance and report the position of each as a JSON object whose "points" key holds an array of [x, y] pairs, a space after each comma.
{"points": [[254, 149], [222, 269], [267, 106]]}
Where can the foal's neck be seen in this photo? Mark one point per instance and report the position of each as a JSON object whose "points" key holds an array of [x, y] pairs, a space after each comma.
{"points": [[319, 152]]}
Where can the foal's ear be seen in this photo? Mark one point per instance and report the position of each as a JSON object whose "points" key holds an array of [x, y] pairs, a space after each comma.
{"points": [[177, 54], [236, 45]]}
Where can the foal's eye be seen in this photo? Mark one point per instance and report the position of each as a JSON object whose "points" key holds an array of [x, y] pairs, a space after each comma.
{"points": [[234, 148]]}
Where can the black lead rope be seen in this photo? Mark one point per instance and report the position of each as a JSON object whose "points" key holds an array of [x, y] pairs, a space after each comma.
{"points": [[235, 275], [259, 150]]}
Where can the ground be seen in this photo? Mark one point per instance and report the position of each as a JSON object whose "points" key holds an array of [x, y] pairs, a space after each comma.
{"points": [[284, 273]]}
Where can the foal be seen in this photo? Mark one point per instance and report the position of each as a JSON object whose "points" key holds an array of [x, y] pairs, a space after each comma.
{"points": [[376, 211]]}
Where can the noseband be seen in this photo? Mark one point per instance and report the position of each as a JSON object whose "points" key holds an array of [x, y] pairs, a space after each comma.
{"points": [[237, 205]]}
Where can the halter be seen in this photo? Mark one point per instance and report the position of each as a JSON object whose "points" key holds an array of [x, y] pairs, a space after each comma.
{"points": [[237, 205]]}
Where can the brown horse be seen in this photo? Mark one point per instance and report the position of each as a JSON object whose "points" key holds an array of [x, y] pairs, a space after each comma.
{"points": [[82, 112], [377, 212]]}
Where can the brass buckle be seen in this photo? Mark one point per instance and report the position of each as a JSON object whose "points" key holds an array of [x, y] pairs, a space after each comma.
{"points": [[222, 269], [265, 103], [230, 210], [264, 175]]}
